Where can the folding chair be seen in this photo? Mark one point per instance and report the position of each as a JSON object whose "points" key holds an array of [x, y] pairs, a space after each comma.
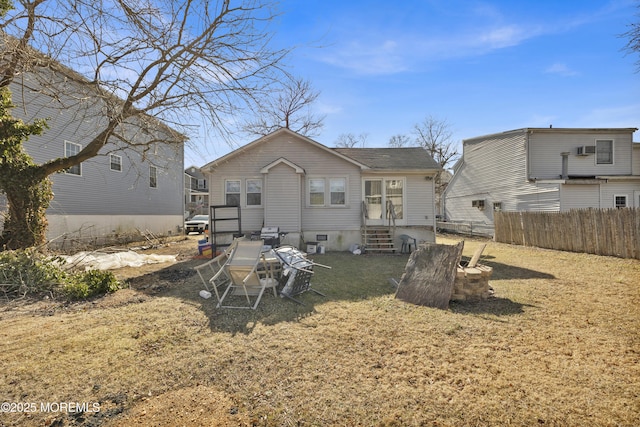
{"points": [[214, 268], [296, 272], [246, 277]]}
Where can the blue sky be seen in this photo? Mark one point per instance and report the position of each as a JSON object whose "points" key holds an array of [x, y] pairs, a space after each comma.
{"points": [[483, 66]]}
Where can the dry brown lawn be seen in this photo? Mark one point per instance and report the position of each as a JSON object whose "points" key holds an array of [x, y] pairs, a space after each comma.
{"points": [[557, 345]]}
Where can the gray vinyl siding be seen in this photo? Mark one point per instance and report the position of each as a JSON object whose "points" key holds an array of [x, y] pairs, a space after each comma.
{"points": [[546, 161], [99, 190], [579, 196], [315, 161], [522, 170], [610, 190], [324, 218], [282, 198], [636, 159], [493, 169], [598, 195], [419, 201]]}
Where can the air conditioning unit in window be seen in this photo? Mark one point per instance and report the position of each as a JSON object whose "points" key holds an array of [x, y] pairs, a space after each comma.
{"points": [[585, 150]]}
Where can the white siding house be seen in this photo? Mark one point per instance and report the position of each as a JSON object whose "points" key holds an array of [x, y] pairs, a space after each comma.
{"points": [[309, 191], [544, 169], [116, 193], [196, 192]]}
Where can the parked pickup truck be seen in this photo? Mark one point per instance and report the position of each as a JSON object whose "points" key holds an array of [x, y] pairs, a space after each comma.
{"points": [[198, 224]]}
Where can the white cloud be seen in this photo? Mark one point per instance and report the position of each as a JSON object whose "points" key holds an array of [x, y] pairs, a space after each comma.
{"points": [[373, 55], [326, 109], [383, 57], [561, 69], [500, 37]]}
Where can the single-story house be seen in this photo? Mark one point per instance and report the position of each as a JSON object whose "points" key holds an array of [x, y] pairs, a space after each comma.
{"points": [[337, 197]]}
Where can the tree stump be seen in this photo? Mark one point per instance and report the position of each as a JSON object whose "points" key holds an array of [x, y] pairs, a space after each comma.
{"points": [[429, 275]]}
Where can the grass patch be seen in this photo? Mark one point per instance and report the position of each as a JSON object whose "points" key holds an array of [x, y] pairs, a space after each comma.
{"points": [[557, 345]]}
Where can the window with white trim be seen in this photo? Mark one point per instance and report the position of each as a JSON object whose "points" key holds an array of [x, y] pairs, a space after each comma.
{"points": [[330, 191], [604, 152], [497, 206], [71, 149], [254, 192], [338, 189], [620, 201], [316, 191], [232, 189], [115, 162], [153, 177]]}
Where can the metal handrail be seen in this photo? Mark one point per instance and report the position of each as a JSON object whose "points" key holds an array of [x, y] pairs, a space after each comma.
{"points": [[391, 216], [365, 214]]}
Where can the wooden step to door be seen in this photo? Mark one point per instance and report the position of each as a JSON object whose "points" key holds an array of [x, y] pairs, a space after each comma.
{"points": [[378, 240]]}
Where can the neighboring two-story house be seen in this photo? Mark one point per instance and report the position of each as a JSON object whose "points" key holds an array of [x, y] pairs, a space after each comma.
{"points": [[544, 169], [330, 195], [196, 192], [123, 190]]}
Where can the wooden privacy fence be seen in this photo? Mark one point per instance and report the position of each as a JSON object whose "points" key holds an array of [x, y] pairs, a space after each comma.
{"points": [[614, 232]]}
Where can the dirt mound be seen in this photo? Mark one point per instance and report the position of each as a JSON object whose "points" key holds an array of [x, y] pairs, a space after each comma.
{"points": [[198, 405]]}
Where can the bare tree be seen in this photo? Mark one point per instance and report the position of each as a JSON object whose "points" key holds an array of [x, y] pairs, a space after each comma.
{"points": [[633, 34], [435, 136], [290, 108], [399, 141], [350, 140], [139, 60]]}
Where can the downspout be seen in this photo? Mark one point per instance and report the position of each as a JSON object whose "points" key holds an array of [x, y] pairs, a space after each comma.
{"points": [[433, 197], [527, 160]]}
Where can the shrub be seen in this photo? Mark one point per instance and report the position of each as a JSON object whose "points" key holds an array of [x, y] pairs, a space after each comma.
{"points": [[24, 272], [91, 283]]}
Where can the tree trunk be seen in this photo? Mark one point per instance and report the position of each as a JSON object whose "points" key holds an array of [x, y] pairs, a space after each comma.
{"points": [[429, 275], [25, 224]]}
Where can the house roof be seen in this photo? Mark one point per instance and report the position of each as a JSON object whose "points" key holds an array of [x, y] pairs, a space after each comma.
{"points": [[553, 130], [372, 159], [414, 158], [272, 135]]}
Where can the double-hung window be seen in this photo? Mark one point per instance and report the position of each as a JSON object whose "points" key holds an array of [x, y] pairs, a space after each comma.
{"points": [[338, 188], [316, 191], [327, 191], [115, 162], [254, 192], [232, 189], [604, 152], [71, 149], [153, 177]]}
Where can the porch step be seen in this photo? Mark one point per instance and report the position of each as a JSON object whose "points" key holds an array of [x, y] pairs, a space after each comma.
{"points": [[377, 240]]}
